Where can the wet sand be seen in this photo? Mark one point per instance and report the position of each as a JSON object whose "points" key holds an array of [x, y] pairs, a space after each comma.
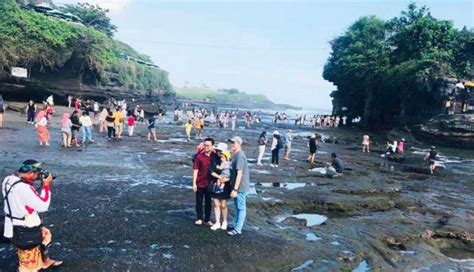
{"points": [[128, 206]]}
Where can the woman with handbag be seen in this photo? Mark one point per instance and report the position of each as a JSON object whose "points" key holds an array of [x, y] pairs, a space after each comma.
{"points": [[22, 222]]}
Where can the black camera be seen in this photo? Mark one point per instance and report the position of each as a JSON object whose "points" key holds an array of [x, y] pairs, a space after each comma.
{"points": [[44, 174]]}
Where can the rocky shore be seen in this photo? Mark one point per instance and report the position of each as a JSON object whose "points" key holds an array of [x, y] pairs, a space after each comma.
{"points": [[128, 206]]}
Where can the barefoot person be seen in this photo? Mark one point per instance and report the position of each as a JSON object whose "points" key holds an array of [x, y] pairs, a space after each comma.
{"points": [[42, 128], [66, 132], [287, 145], [201, 180], [262, 142], [240, 184], [432, 156], [22, 203], [313, 147], [366, 143]]}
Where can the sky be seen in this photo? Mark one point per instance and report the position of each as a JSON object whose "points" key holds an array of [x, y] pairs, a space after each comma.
{"points": [[275, 48]]}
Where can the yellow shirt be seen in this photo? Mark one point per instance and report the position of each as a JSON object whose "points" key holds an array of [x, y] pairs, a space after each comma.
{"points": [[118, 118], [197, 123], [188, 127]]}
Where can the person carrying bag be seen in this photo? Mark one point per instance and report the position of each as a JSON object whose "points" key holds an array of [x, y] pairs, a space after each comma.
{"points": [[23, 226]]}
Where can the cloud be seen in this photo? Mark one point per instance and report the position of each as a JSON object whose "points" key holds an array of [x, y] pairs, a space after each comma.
{"points": [[115, 6]]}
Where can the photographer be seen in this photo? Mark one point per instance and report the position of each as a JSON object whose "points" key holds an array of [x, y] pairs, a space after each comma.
{"points": [[23, 226]]}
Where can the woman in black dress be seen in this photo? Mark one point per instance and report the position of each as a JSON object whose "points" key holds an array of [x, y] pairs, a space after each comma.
{"points": [[313, 147]]}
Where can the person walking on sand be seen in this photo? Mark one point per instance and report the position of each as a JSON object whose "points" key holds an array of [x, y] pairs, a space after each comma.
{"points": [[151, 128], [110, 125], [288, 140], [69, 101], [198, 126], [118, 122], [31, 112], [275, 148], [187, 128], [233, 118], [313, 147], [102, 120], [262, 142], [76, 125], [42, 128], [240, 184], [401, 146], [201, 180], [432, 156], [66, 132], [366, 143], [131, 125]]}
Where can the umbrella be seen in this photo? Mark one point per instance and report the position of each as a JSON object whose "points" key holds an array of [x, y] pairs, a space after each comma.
{"points": [[469, 84], [459, 85]]}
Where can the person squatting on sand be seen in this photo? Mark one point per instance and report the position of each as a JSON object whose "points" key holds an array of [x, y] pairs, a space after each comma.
{"points": [[23, 226]]}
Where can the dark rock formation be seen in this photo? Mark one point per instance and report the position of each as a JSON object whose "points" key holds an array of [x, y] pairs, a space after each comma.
{"points": [[62, 85], [448, 130], [293, 221]]}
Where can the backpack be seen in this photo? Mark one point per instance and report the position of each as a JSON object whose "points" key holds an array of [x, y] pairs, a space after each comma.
{"points": [[279, 144]]}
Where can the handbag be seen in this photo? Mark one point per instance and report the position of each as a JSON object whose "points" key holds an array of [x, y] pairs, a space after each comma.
{"points": [[27, 238]]}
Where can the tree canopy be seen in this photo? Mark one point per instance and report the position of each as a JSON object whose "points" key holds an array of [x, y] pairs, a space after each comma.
{"points": [[392, 72], [93, 16], [44, 45]]}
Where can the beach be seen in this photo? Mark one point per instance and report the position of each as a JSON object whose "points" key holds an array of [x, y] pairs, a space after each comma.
{"points": [[127, 205]]}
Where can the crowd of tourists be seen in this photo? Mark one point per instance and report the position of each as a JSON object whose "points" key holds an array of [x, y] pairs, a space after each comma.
{"points": [[312, 121]]}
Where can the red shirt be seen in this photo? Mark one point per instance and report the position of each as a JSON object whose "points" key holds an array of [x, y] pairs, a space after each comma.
{"points": [[131, 121], [202, 164]]}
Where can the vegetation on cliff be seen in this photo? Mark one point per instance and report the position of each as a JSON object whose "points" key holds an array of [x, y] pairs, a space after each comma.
{"points": [[228, 96], [45, 45], [392, 72]]}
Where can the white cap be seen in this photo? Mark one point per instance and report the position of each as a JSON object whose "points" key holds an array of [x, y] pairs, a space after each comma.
{"points": [[236, 139], [276, 132], [221, 146]]}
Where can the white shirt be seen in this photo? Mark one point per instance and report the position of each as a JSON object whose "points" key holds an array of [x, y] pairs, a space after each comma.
{"points": [[86, 121], [23, 199]]}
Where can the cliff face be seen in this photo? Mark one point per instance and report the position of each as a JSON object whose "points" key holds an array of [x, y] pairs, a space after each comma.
{"points": [[65, 58], [448, 130]]}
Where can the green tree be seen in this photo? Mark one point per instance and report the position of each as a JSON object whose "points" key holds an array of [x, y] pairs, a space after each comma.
{"points": [[393, 71], [92, 15]]}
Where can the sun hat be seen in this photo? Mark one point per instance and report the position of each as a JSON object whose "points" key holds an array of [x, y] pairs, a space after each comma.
{"points": [[221, 146]]}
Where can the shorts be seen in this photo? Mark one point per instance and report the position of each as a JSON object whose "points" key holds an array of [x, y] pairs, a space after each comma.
{"points": [[151, 130], [365, 143]]}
